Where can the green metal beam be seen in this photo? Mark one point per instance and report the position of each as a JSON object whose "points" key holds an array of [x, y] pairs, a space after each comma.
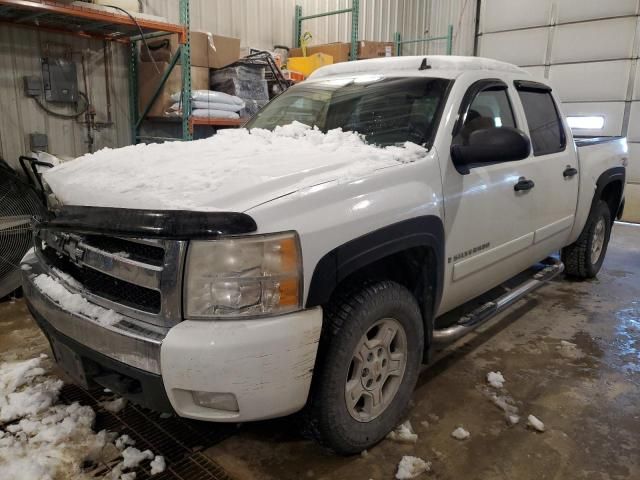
{"points": [[133, 91], [156, 92], [186, 72], [397, 40], [355, 14]]}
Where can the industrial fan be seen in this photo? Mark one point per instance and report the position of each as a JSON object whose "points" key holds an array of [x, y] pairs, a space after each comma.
{"points": [[19, 202]]}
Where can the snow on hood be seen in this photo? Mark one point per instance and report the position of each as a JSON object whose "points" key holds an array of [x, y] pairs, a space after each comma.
{"points": [[232, 171]]}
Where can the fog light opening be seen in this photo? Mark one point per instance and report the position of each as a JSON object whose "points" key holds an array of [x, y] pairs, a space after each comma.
{"points": [[216, 400]]}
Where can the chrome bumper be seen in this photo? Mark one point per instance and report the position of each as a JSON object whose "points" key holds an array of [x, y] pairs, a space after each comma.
{"points": [[129, 341]]}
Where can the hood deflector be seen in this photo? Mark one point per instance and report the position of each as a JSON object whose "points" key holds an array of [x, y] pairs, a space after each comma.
{"points": [[165, 224]]}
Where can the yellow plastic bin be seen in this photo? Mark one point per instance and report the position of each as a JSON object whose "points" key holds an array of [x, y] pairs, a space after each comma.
{"points": [[306, 65]]}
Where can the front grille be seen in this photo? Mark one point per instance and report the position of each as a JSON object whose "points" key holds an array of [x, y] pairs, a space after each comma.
{"points": [[138, 278], [141, 252], [106, 286]]}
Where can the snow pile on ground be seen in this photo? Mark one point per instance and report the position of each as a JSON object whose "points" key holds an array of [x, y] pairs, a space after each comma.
{"points": [[47, 439], [411, 467], [495, 379], [403, 433], [21, 394], [114, 406], [570, 350], [40, 439], [535, 423], [74, 302], [158, 465], [234, 169], [460, 434]]}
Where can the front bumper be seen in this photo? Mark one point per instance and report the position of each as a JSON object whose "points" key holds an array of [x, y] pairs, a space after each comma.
{"points": [[266, 364]]}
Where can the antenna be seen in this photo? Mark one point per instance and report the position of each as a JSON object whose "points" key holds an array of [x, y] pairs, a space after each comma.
{"points": [[424, 65]]}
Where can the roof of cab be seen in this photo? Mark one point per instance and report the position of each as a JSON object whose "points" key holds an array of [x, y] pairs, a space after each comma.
{"points": [[437, 65]]}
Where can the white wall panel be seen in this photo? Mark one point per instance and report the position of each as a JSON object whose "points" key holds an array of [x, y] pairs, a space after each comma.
{"points": [[575, 10], [587, 41], [535, 72], [596, 81], [525, 47], [633, 170], [498, 15], [633, 134], [611, 111]]}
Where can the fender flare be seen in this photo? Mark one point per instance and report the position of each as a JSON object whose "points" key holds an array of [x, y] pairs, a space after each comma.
{"points": [[342, 261], [614, 174]]}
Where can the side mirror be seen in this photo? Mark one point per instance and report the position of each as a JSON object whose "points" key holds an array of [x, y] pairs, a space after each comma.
{"points": [[491, 145]]}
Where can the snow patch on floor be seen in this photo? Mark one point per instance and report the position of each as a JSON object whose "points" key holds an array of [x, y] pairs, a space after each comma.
{"points": [[570, 350], [535, 423], [495, 379], [41, 439], [114, 406], [157, 465], [411, 467], [460, 434], [403, 433]]}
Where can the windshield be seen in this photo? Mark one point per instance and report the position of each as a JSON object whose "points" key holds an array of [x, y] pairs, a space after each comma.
{"points": [[386, 111]]}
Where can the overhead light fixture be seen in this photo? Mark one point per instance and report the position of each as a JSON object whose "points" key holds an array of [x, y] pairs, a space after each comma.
{"points": [[586, 122]]}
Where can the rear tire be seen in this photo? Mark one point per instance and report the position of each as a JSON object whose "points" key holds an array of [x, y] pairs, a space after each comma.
{"points": [[583, 259], [368, 365]]}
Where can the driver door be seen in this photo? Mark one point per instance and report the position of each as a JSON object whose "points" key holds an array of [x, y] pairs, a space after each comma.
{"points": [[488, 224]]}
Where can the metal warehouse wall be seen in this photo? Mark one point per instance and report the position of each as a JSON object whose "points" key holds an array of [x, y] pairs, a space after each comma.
{"points": [[263, 23], [589, 50], [259, 23], [21, 50]]}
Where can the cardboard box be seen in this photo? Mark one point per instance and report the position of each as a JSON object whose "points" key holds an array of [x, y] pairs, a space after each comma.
{"points": [[149, 78], [203, 54], [339, 51], [367, 49], [227, 51]]}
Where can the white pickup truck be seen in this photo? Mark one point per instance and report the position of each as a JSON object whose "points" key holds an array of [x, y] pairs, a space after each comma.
{"points": [[312, 286]]}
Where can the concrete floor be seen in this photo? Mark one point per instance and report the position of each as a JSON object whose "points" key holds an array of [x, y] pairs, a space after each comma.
{"points": [[587, 393]]}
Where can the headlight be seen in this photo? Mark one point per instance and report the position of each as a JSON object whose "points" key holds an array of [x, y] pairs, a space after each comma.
{"points": [[243, 276]]}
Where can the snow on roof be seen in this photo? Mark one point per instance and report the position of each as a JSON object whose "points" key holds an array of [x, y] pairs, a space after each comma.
{"points": [[390, 65]]}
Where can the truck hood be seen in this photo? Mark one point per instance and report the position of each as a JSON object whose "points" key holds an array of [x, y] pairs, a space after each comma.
{"points": [[233, 171]]}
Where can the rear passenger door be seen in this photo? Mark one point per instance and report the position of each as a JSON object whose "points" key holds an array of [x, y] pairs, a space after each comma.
{"points": [[556, 172]]}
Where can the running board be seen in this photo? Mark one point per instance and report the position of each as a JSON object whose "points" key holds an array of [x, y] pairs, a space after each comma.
{"points": [[480, 315]]}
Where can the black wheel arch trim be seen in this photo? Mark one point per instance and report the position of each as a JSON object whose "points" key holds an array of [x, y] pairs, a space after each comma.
{"points": [[614, 174], [348, 258]]}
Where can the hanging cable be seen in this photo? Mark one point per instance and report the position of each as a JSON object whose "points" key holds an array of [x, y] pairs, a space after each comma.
{"points": [[144, 40], [65, 115]]}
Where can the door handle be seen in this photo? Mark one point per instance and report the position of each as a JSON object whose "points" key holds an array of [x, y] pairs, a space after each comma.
{"points": [[523, 185], [569, 172]]}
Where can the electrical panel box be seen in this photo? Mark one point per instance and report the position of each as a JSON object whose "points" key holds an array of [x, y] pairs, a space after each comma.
{"points": [[60, 80], [32, 86], [38, 141]]}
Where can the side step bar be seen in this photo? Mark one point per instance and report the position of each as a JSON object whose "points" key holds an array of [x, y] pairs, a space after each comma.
{"points": [[473, 320]]}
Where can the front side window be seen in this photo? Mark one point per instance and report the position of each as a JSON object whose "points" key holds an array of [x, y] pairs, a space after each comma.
{"points": [[490, 108], [386, 111], [545, 127]]}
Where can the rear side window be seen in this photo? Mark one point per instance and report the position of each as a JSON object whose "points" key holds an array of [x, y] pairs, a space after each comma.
{"points": [[545, 127]]}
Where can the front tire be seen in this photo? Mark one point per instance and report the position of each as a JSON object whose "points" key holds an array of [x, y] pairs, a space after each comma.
{"points": [[371, 352], [584, 258]]}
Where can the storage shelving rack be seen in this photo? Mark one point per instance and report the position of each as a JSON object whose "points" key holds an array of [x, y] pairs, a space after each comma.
{"points": [[355, 14], [113, 25], [398, 42]]}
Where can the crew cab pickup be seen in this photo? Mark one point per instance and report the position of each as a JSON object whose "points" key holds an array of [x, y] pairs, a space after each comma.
{"points": [[319, 289]]}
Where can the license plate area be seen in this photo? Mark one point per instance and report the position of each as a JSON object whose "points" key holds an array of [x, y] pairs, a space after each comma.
{"points": [[70, 362]]}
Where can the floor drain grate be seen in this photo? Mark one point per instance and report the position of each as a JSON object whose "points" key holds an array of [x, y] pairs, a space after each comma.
{"points": [[180, 441]]}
